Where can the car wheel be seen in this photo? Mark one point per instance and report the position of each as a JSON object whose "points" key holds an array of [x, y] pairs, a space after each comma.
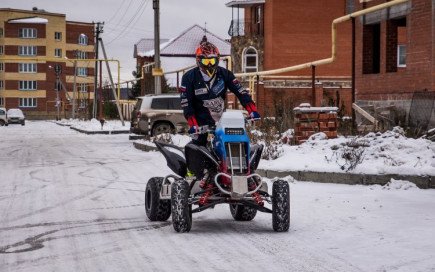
{"points": [[161, 128], [22, 123], [2, 123]]}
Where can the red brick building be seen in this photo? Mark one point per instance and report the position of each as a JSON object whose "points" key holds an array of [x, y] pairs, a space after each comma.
{"points": [[395, 63], [32, 44], [273, 34]]}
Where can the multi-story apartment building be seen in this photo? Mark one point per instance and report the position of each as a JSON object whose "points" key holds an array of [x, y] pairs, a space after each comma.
{"points": [[40, 63]]}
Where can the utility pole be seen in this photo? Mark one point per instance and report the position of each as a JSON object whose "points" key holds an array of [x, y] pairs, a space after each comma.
{"points": [[98, 30], [73, 111], [157, 71]]}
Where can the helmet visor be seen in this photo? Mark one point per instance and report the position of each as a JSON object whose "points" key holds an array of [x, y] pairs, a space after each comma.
{"points": [[211, 61]]}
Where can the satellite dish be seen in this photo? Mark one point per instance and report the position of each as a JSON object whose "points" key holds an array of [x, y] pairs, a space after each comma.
{"points": [[134, 73]]}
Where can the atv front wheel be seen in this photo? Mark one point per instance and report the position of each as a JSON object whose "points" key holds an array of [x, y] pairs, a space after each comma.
{"points": [[156, 208], [242, 212], [280, 206], [181, 210]]}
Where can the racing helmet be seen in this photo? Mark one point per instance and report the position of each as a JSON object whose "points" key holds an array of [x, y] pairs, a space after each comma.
{"points": [[207, 58]]}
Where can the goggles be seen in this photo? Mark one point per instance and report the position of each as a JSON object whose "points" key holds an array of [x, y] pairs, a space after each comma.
{"points": [[211, 61]]}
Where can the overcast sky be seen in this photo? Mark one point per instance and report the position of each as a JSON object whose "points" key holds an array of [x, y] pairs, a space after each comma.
{"points": [[127, 21]]}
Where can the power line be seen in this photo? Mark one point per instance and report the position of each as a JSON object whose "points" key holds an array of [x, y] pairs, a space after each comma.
{"points": [[140, 9]]}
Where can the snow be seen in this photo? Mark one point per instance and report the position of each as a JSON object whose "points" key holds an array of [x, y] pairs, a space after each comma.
{"points": [[75, 202]]}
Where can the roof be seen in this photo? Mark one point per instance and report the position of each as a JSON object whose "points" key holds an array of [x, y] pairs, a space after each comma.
{"points": [[28, 20], [186, 43], [145, 45], [244, 3]]}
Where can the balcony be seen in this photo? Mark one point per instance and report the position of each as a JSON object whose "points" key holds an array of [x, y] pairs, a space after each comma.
{"points": [[244, 28]]}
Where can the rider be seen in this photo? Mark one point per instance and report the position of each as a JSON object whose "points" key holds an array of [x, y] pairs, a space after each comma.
{"points": [[203, 91]]}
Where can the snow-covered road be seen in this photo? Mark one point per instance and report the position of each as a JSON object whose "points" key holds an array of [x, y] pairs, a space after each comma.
{"points": [[72, 202]]}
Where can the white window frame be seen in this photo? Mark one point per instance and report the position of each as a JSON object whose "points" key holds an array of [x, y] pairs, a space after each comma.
{"points": [[82, 87], [2, 101], [57, 36], [1, 50], [2, 66], [27, 68], [401, 50], [58, 53], [82, 39], [24, 50], [28, 33], [27, 85], [245, 57], [83, 103], [82, 54], [58, 85], [27, 102], [82, 71], [2, 85], [1, 32], [258, 14]]}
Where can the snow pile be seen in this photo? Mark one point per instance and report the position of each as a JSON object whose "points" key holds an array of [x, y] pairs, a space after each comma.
{"points": [[400, 185], [379, 153], [95, 125]]}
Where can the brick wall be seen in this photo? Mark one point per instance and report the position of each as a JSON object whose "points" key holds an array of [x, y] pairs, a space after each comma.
{"points": [[398, 83], [299, 31]]}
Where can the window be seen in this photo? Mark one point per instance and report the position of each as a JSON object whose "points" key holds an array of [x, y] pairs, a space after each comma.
{"points": [[27, 33], [27, 103], [401, 56], [82, 54], [82, 71], [27, 67], [58, 85], [350, 6], [83, 103], [371, 49], [1, 32], [166, 103], [1, 49], [2, 101], [1, 85], [58, 53], [258, 14], [58, 36], [2, 68], [250, 60], [83, 88], [27, 50], [27, 85], [83, 39]]}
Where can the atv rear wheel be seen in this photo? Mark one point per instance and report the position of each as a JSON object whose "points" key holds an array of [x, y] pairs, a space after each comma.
{"points": [[280, 206], [181, 210], [242, 212], [156, 208]]}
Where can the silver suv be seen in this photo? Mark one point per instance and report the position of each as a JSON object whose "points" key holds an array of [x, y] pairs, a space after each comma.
{"points": [[3, 117], [160, 113]]}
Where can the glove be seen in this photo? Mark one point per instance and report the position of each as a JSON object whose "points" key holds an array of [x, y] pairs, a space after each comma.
{"points": [[254, 115], [193, 130], [252, 110], [193, 124]]}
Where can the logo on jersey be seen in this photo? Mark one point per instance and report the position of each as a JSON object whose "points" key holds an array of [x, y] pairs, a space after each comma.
{"points": [[201, 91], [215, 107], [219, 87]]}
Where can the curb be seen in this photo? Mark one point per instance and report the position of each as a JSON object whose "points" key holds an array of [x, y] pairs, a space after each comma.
{"points": [[422, 182], [101, 132]]}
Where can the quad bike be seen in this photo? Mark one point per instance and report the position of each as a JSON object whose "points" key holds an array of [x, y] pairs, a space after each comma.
{"points": [[223, 172]]}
